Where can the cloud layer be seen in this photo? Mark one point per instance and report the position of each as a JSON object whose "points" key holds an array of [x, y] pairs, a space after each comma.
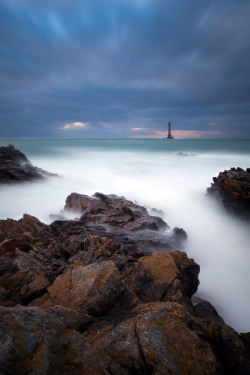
{"points": [[124, 67]]}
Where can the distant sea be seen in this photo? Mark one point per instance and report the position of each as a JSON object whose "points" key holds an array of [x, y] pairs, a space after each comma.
{"points": [[171, 175]]}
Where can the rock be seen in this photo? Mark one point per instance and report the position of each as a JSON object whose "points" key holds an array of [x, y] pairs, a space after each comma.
{"points": [[246, 338], [15, 167], [188, 271], [23, 287], [71, 319], [236, 352], [163, 338], [113, 211], [184, 154], [232, 187], [125, 222], [35, 341], [99, 249], [29, 245], [92, 302], [89, 289], [163, 277], [205, 310]]}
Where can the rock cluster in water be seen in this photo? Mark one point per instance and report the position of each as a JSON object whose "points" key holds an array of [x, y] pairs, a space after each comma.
{"points": [[15, 167], [109, 293], [232, 187]]}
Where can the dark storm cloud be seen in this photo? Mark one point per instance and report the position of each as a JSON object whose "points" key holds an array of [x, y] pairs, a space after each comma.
{"points": [[121, 65]]}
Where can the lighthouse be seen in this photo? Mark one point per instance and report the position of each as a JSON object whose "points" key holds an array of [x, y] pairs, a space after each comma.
{"points": [[169, 131]]}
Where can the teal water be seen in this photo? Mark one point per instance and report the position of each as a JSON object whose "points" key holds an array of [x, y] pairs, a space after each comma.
{"points": [[151, 172], [42, 146]]}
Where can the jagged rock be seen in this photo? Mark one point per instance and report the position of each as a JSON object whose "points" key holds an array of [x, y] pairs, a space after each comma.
{"points": [[99, 249], [90, 289], [163, 338], [15, 167], [22, 287], [163, 277], [113, 211], [35, 341], [125, 222], [233, 188], [88, 286], [28, 244]]}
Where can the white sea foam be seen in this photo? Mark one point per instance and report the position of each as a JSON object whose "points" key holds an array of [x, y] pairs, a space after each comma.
{"points": [[177, 185]]}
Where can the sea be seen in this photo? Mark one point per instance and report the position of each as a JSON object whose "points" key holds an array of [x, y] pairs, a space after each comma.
{"points": [[170, 175]]}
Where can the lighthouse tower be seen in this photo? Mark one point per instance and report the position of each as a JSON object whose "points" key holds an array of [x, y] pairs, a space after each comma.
{"points": [[169, 131]]}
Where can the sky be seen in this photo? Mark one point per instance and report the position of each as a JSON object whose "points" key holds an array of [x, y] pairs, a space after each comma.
{"points": [[124, 68]]}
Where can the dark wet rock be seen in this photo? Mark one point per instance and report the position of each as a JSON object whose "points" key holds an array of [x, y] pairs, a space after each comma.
{"points": [[113, 211], [232, 187], [205, 310], [15, 167], [125, 222], [236, 352], [246, 338]]}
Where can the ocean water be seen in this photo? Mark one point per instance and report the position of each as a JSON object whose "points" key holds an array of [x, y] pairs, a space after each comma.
{"points": [[151, 172]]}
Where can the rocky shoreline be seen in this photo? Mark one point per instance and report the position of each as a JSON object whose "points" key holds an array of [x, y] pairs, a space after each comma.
{"points": [[107, 293], [74, 299]]}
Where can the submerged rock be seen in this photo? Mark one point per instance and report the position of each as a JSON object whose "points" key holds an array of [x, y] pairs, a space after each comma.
{"points": [[15, 167], [232, 187], [184, 154]]}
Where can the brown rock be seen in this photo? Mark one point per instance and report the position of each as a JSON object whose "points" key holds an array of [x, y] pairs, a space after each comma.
{"points": [[99, 249], [163, 277], [23, 287], [71, 319], [34, 341], [91, 289], [233, 188], [158, 338]]}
